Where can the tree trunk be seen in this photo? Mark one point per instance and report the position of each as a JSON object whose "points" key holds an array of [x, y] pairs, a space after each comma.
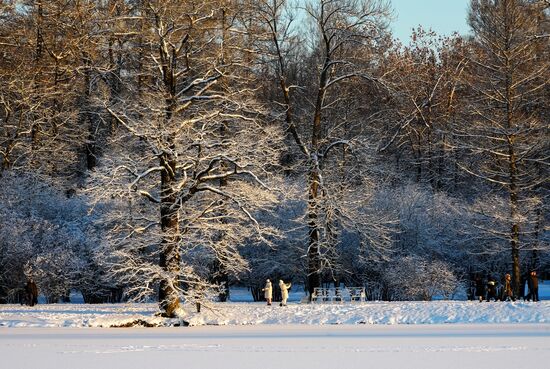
{"points": [[314, 263], [221, 276], [88, 119], [37, 60], [170, 255], [514, 235]]}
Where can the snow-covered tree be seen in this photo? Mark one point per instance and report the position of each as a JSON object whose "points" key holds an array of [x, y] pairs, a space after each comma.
{"points": [[47, 236], [414, 278], [340, 36], [191, 161], [507, 138]]}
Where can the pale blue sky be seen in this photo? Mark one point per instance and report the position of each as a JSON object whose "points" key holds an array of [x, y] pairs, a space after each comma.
{"points": [[443, 16]]}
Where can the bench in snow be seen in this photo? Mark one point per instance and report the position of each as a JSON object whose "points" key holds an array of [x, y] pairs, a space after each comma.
{"points": [[338, 294]]}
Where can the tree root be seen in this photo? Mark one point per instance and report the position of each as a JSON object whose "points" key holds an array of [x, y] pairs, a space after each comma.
{"points": [[136, 323], [143, 323]]}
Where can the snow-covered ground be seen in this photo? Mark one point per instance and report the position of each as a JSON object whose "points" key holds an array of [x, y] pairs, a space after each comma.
{"points": [[279, 346], [241, 311], [241, 334], [246, 313]]}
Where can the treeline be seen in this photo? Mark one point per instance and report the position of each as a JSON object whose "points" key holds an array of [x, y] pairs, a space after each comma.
{"points": [[167, 149]]}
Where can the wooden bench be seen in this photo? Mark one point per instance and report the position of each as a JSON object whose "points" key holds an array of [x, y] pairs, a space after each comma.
{"points": [[320, 294], [357, 294], [338, 294]]}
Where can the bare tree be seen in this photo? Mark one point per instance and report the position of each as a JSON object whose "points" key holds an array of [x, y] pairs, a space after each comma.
{"points": [[424, 77], [338, 30], [47, 46], [507, 135]]}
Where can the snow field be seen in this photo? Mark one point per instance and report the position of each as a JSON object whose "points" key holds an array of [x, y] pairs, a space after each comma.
{"points": [[247, 313], [249, 335], [275, 346]]}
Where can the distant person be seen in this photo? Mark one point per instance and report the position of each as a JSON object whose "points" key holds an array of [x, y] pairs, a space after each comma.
{"points": [[529, 294], [480, 288], [268, 291], [491, 289], [522, 281], [284, 291], [508, 293], [471, 291], [31, 292], [534, 283]]}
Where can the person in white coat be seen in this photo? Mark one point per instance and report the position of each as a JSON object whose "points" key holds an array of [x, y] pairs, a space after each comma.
{"points": [[268, 291], [284, 292]]}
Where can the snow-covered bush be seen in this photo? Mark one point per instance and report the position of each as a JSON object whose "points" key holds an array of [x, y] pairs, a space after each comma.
{"points": [[44, 235], [415, 278]]}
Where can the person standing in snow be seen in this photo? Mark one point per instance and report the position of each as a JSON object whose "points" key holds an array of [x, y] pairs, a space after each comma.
{"points": [[491, 289], [268, 291], [522, 281], [529, 287], [508, 291], [471, 291], [284, 291], [31, 291], [480, 288], [534, 286]]}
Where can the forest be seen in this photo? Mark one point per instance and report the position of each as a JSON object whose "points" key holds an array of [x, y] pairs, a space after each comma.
{"points": [[165, 150]]}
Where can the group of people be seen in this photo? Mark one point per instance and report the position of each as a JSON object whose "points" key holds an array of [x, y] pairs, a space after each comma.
{"points": [[490, 290], [268, 291]]}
